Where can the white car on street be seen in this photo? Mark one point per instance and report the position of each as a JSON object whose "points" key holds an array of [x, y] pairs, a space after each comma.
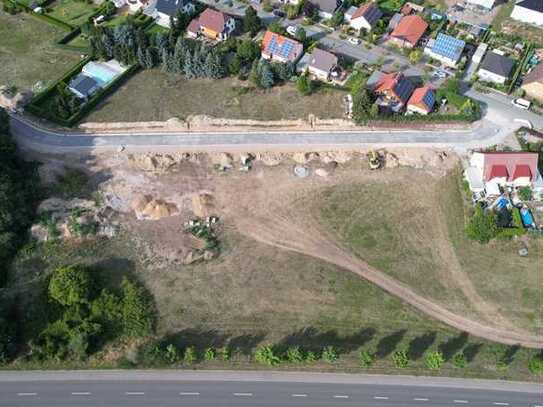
{"points": [[292, 30], [353, 40], [521, 103]]}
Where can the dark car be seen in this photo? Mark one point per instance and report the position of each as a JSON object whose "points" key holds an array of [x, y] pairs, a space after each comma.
{"points": [[278, 13]]}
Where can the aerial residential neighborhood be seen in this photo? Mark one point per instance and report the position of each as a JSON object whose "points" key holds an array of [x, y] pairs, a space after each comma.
{"points": [[271, 202]]}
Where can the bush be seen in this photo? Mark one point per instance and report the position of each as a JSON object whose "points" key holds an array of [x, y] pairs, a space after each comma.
{"points": [[434, 360], [311, 357], [190, 355], [226, 353], [304, 85], [329, 354], [525, 193], [535, 365], [459, 360], [400, 359], [209, 354], [366, 358], [482, 226], [266, 356], [295, 355], [171, 354], [137, 310], [70, 285]]}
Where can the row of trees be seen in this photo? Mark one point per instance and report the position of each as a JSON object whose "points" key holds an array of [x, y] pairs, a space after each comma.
{"points": [[88, 315]]}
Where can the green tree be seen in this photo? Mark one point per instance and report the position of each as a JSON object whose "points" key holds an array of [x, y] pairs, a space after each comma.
{"points": [[137, 310], [301, 35], [190, 355], [366, 358], [248, 51], [295, 355], [304, 84], [459, 360], [267, 79], [363, 106], [226, 353], [210, 354], [400, 359], [251, 21], [535, 365], [171, 354], [482, 225], [70, 285], [525, 193], [415, 56], [434, 360]]}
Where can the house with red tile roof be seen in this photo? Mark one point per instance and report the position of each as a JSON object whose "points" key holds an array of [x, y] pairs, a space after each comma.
{"points": [[422, 101], [365, 17], [212, 24], [488, 172], [408, 32], [279, 48], [393, 90]]}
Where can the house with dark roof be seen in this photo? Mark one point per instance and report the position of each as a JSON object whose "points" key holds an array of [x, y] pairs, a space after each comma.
{"points": [[83, 86], [165, 9], [327, 8], [528, 11], [495, 68], [490, 171], [422, 101], [365, 17], [212, 24], [279, 48], [532, 83], [408, 32], [445, 49], [323, 65], [393, 90]]}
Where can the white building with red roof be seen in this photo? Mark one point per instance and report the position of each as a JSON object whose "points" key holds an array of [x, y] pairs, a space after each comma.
{"points": [[408, 32], [492, 171], [365, 17], [422, 101]]}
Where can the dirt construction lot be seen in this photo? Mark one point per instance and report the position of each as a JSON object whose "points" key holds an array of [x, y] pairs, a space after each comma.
{"points": [[297, 253]]}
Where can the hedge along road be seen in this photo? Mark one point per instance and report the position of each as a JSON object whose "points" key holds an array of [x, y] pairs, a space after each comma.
{"points": [[37, 138]]}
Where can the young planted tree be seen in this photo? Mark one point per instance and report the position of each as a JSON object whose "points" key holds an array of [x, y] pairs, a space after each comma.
{"points": [[251, 21]]}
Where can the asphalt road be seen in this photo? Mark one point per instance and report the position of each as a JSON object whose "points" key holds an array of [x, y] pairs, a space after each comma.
{"points": [[255, 389]]}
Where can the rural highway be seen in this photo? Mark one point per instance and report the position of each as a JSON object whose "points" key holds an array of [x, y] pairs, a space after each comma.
{"points": [[263, 389], [26, 133]]}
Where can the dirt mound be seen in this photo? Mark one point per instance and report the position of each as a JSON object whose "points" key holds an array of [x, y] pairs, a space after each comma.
{"points": [[146, 207], [202, 204]]}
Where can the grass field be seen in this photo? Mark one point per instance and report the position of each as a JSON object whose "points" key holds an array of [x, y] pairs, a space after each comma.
{"points": [[153, 95], [72, 11], [28, 53]]}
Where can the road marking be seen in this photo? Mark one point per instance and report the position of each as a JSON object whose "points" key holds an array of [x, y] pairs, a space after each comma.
{"points": [[497, 403], [189, 393], [27, 394], [298, 395], [134, 393], [243, 394], [420, 399], [341, 396], [81, 393], [381, 398], [461, 401]]}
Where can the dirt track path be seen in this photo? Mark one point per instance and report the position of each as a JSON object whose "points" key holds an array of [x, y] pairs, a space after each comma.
{"points": [[271, 216]]}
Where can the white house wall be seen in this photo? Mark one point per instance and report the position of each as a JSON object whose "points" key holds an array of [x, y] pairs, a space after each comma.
{"points": [[527, 16]]}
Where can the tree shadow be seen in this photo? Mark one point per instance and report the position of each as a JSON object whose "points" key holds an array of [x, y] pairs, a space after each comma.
{"points": [[420, 344], [313, 339], [246, 343], [453, 345], [471, 351], [389, 343]]}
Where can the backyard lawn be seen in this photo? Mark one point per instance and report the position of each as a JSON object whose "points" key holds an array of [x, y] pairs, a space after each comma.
{"points": [[28, 53], [153, 95], [72, 12]]}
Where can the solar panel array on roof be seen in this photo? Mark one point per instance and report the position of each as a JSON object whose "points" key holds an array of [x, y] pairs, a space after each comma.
{"points": [[283, 50], [448, 47], [429, 99]]}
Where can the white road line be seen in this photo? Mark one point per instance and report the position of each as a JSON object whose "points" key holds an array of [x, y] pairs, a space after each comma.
{"points": [[243, 394], [341, 396], [81, 393], [134, 393], [497, 403], [381, 398], [27, 394], [461, 401], [189, 393], [298, 395], [420, 399]]}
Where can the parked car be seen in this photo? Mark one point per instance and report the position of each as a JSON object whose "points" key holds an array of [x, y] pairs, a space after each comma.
{"points": [[278, 13], [353, 40], [292, 30], [521, 103]]}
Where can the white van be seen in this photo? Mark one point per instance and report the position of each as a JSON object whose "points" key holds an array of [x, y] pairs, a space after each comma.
{"points": [[521, 103]]}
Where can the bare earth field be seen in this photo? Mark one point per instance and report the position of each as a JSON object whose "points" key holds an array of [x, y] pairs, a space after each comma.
{"points": [[155, 96], [28, 53], [293, 252]]}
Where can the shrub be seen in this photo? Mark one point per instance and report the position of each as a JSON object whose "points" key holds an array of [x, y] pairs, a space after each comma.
{"points": [[525, 193], [304, 85], [366, 358], [70, 285], [209, 354], [311, 357], [266, 356], [400, 359], [226, 353], [137, 310], [295, 355], [459, 360], [171, 354], [329, 354], [535, 365], [434, 360], [190, 355], [482, 226]]}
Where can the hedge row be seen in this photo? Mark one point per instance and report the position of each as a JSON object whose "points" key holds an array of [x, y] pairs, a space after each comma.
{"points": [[521, 65], [47, 18]]}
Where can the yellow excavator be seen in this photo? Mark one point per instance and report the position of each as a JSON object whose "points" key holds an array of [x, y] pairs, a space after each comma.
{"points": [[374, 160]]}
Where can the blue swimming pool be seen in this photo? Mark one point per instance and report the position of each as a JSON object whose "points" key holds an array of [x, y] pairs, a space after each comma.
{"points": [[527, 218]]}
